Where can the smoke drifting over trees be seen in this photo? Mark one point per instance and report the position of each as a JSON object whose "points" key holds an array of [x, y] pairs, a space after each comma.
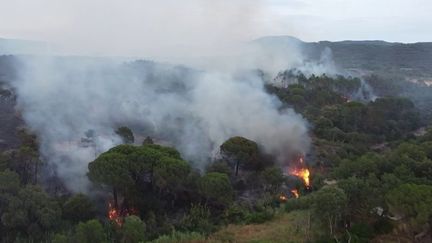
{"points": [[74, 106]]}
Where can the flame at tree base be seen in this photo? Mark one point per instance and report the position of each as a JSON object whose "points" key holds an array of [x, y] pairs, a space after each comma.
{"points": [[299, 169], [283, 198], [295, 193], [117, 216], [114, 214], [303, 174]]}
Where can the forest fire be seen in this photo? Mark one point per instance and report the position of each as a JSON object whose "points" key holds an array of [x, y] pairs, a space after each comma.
{"points": [[117, 216], [114, 214], [283, 198], [300, 170], [295, 193], [303, 174]]}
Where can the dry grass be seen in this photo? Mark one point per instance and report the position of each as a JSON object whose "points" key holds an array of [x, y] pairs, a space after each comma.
{"points": [[286, 227]]}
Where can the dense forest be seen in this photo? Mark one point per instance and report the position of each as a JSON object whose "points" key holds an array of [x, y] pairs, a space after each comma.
{"points": [[367, 177]]}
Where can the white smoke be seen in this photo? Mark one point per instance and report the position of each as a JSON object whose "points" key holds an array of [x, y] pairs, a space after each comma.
{"points": [[75, 104], [324, 66], [62, 99], [365, 92], [276, 54]]}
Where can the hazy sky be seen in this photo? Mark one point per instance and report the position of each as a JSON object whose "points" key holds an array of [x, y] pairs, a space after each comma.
{"points": [[145, 27]]}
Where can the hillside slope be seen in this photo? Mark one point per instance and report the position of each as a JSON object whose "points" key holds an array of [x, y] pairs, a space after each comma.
{"points": [[411, 60]]}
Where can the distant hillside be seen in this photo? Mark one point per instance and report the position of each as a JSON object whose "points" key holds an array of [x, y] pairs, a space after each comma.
{"points": [[16, 47], [413, 61]]}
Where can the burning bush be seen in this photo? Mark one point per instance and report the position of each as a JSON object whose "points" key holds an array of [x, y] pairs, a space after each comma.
{"points": [[299, 169]]}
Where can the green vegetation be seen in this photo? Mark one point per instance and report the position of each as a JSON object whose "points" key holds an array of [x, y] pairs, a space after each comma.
{"points": [[377, 171], [371, 179]]}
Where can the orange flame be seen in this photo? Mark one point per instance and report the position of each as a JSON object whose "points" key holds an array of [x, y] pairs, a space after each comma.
{"points": [[114, 214], [117, 216], [295, 193], [304, 174], [300, 170], [283, 198]]}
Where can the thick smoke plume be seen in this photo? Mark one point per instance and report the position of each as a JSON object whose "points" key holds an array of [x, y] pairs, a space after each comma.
{"points": [[75, 104]]}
